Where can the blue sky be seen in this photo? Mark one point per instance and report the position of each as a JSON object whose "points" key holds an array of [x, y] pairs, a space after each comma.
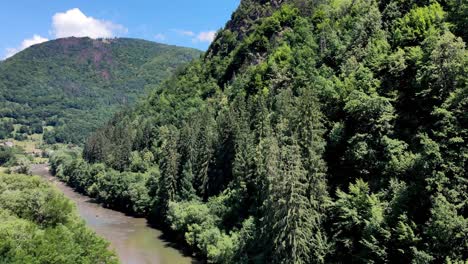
{"points": [[188, 23]]}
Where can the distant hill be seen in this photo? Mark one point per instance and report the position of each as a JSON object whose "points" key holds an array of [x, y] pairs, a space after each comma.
{"points": [[75, 84]]}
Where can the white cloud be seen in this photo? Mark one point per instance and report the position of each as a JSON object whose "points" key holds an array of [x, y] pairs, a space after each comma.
{"points": [[74, 23], [36, 39], [204, 36], [10, 52], [160, 37], [207, 36], [185, 32]]}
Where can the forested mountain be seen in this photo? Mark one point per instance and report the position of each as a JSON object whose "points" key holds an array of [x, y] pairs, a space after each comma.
{"points": [[312, 131], [76, 84]]}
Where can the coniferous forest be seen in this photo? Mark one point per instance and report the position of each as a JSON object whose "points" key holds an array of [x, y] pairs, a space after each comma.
{"points": [[311, 131]]}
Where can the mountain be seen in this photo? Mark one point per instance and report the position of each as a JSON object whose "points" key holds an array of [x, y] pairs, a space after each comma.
{"points": [[75, 84], [310, 132]]}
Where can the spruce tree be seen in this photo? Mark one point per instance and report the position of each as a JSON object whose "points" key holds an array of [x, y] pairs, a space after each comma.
{"points": [[169, 167]]}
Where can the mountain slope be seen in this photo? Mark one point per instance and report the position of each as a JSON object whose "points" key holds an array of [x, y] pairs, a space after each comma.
{"points": [[310, 132], [76, 84]]}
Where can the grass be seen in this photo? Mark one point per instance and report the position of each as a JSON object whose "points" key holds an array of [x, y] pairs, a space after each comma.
{"points": [[29, 149], [31, 145]]}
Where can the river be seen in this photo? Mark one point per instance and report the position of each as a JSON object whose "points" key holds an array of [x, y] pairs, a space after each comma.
{"points": [[131, 238]]}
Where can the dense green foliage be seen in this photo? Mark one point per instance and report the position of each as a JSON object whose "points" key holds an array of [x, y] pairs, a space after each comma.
{"points": [[15, 159], [39, 225], [76, 84], [311, 132], [7, 156], [6, 129]]}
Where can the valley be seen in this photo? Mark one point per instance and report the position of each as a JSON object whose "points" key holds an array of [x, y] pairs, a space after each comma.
{"points": [[131, 238], [307, 132]]}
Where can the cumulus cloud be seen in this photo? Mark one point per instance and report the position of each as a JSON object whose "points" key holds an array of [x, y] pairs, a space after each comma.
{"points": [[207, 36], [204, 36], [185, 32], [73, 23], [160, 37], [36, 39]]}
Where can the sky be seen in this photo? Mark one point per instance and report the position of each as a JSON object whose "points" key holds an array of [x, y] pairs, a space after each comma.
{"points": [[189, 23]]}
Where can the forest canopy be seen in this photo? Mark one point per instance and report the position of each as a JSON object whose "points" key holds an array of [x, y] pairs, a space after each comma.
{"points": [[39, 225], [325, 131]]}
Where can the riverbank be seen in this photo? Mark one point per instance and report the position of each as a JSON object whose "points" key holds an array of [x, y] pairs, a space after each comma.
{"points": [[132, 239]]}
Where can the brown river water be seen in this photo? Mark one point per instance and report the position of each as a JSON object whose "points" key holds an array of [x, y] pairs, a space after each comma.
{"points": [[131, 238]]}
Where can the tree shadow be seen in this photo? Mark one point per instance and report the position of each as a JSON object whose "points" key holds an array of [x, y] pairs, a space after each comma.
{"points": [[177, 242]]}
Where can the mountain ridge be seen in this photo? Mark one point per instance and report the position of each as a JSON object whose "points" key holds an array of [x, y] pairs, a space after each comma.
{"points": [[78, 75]]}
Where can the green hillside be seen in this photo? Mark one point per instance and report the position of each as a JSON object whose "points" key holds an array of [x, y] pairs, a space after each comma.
{"points": [[75, 84], [38, 224], [325, 131]]}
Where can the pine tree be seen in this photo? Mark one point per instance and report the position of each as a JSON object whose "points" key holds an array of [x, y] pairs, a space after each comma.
{"points": [[290, 220], [243, 165], [169, 167], [310, 132], [187, 192], [447, 231], [360, 231], [202, 158]]}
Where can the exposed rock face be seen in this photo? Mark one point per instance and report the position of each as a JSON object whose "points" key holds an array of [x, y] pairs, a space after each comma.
{"points": [[248, 13]]}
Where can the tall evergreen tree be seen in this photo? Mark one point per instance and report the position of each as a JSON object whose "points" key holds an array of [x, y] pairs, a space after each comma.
{"points": [[185, 181], [169, 162], [361, 232], [292, 222]]}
